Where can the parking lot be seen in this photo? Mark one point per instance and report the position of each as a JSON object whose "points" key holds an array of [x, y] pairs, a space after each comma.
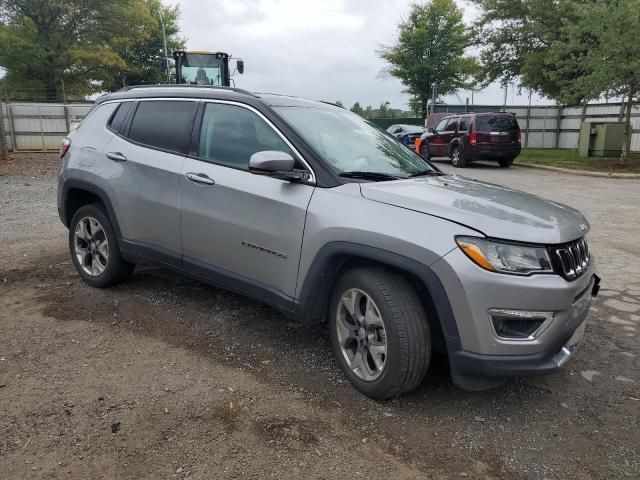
{"points": [[166, 377]]}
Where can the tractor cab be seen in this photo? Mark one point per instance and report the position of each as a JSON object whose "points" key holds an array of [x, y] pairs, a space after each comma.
{"points": [[204, 68]]}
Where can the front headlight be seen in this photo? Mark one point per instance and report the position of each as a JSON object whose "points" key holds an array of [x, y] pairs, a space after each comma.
{"points": [[504, 257]]}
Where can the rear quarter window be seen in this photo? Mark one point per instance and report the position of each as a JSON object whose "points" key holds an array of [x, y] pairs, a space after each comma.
{"points": [[163, 124], [117, 119], [496, 123]]}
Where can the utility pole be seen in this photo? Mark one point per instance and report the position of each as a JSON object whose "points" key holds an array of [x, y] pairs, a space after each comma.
{"points": [[434, 86], [164, 38]]}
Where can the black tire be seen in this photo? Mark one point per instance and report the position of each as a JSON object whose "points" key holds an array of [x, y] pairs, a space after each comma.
{"points": [[505, 162], [457, 157], [117, 269], [424, 151], [406, 331]]}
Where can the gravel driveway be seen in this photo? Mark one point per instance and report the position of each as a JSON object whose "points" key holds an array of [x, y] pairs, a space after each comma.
{"points": [[165, 377]]}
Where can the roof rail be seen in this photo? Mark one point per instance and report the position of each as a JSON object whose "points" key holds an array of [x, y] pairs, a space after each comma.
{"points": [[173, 85]]}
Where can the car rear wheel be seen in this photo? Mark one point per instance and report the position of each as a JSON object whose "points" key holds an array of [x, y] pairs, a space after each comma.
{"points": [[457, 159], [94, 248], [379, 332], [505, 162]]}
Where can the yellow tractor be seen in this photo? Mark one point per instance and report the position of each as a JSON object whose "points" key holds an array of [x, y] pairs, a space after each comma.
{"points": [[204, 68]]}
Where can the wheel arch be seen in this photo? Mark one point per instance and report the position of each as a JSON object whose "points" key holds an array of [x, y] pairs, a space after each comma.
{"points": [[77, 193], [336, 257]]}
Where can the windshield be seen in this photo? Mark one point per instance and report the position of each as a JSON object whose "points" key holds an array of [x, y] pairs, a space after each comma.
{"points": [[202, 69], [351, 144]]}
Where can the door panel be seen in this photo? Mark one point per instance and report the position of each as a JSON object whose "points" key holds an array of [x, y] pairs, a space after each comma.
{"points": [[146, 199], [247, 224]]}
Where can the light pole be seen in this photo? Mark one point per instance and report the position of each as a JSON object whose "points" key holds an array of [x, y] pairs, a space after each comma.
{"points": [[164, 38]]}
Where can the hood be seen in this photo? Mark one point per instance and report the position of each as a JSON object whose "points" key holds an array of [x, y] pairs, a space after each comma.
{"points": [[496, 211]]}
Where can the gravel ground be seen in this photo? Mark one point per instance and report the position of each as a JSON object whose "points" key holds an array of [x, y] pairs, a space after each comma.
{"points": [[165, 377]]}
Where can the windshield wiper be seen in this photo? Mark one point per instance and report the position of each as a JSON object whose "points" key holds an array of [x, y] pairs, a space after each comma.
{"points": [[378, 176], [423, 173]]}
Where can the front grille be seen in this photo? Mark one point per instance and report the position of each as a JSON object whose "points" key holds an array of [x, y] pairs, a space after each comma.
{"points": [[572, 259]]}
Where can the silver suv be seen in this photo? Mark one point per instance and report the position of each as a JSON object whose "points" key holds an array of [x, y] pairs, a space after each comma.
{"points": [[311, 209]]}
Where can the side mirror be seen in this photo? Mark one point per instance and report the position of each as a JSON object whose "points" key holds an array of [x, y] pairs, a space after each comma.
{"points": [[276, 164], [240, 66]]}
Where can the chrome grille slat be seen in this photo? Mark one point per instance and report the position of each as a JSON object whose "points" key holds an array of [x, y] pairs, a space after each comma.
{"points": [[573, 258]]}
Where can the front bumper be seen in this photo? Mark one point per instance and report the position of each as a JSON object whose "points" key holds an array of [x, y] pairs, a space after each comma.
{"points": [[478, 358]]}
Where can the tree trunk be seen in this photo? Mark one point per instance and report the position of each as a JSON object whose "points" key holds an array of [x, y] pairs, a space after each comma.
{"points": [[423, 107], [626, 146], [50, 90]]}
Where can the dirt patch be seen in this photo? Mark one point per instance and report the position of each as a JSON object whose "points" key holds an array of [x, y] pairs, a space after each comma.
{"points": [[166, 377]]}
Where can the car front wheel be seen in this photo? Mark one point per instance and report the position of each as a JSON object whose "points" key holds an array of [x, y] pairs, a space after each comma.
{"points": [[379, 332]]}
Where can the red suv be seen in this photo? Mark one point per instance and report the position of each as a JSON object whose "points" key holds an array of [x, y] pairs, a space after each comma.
{"points": [[473, 136]]}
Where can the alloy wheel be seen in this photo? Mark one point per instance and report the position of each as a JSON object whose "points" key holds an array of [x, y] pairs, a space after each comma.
{"points": [[91, 246], [455, 157], [361, 334]]}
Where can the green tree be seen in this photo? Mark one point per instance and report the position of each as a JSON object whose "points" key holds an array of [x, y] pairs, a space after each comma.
{"points": [[567, 50], [143, 51], [82, 45], [384, 110], [338, 103], [515, 36], [430, 48], [368, 112], [610, 62], [357, 108]]}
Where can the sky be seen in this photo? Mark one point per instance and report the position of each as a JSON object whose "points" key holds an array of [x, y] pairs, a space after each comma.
{"points": [[318, 49]]}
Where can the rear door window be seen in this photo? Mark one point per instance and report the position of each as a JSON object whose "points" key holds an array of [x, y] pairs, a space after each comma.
{"points": [[496, 123], [163, 124], [464, 124]]}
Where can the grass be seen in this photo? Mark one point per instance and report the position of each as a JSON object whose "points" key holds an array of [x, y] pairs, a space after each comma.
{"points": [[569, 158]]}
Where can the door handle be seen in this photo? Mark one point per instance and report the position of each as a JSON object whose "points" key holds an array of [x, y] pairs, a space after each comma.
{"points": [[199, 178], [117, 156]]}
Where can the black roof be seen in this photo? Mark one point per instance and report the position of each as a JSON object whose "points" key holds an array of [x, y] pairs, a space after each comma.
{"points": [[216, 93]]}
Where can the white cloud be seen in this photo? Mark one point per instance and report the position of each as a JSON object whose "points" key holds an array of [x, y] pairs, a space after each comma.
{"points": [[321, 49]]}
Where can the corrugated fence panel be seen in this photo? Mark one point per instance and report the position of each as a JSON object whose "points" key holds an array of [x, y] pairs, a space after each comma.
{"points": [[35, 126]]}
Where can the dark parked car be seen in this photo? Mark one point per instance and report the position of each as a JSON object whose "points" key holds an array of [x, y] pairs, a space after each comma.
{"points": [[407, 134], [473, 136]]}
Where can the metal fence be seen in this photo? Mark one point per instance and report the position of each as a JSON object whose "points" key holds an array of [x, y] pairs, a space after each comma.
{"points": [[41, 126]]}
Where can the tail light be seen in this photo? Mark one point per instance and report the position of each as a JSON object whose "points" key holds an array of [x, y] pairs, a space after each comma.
{"points": [[473, 138], [518, 136], [64, 147]]}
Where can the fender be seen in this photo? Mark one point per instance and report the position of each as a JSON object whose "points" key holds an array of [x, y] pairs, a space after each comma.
{"points": [[71, 184], [312, 299]]}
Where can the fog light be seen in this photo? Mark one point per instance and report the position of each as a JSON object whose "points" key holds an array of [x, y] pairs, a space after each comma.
{"points": [[519, 324]]}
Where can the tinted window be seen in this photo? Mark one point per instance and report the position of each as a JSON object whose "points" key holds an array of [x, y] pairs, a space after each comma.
{"points": [[118, 118], [231, 134], [464, 124], [163, 124], [441, 126], [452, 125], [496, 123]]}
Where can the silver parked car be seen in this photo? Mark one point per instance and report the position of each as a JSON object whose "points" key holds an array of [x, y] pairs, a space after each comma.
{"points": [[311, 209]]}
